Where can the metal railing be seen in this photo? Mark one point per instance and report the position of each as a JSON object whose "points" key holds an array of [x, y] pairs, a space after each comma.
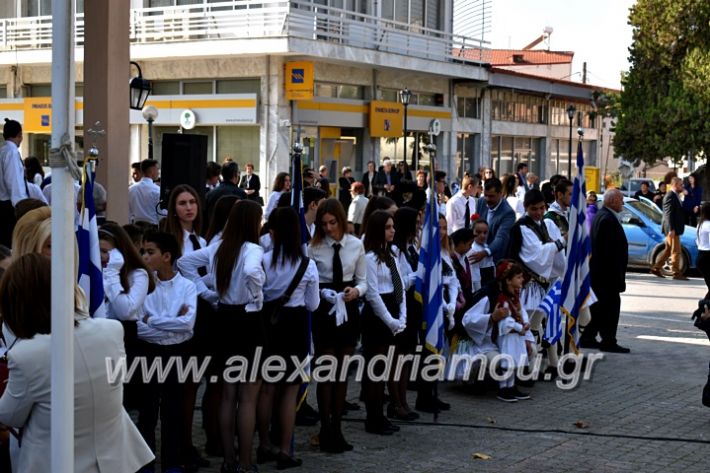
{"points": [[245, 19]]}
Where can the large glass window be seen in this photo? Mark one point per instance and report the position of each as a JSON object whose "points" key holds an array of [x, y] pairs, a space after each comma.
{"points": [[241, 143], [165, 87], [3, 91], [239, 86], [198, 88]]}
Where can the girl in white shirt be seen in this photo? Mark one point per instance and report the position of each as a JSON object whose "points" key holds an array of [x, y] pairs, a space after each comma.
{"points": [[385, 313], [703, 240], [340, 259], [282, 184], [235, 268], [218, 217], [126, 285], [289, 334], [184, 222]]}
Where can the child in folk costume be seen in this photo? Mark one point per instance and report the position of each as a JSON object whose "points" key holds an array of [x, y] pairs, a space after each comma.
{"points": [[538, 246], [514, 338], [483, 271]]}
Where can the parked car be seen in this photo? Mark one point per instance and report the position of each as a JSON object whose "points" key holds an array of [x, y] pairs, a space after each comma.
{"points": [[641, 221], [630, 187]]}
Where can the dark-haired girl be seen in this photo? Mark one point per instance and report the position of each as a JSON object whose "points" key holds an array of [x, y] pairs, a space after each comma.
{"points": [[340, 259], [235, 266], [288, 334], [385, 313]]}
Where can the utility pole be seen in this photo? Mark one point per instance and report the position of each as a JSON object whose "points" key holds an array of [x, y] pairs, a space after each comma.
{"points": [[584, 73]]}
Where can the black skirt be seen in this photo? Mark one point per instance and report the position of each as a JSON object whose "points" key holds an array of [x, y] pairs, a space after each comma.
{"points": [[408, 340], [289, 337], [325, 333], [374, 331], [240, 333]]}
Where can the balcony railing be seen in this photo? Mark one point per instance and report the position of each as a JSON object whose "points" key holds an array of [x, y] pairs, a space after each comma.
{"points": [[248, 19]]}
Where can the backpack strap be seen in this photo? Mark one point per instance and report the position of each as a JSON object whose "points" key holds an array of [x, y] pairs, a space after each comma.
{"points": [[296, 279]]}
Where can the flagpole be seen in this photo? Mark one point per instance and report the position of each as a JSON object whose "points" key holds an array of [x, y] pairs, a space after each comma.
{"points": [[63, 265]]}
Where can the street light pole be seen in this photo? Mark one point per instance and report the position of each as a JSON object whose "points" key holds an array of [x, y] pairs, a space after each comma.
{"points": [[405, 96], [150, 113], [571, 111]]}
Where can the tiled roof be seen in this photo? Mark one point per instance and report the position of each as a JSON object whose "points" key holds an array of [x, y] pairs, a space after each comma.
{"points": [[519, 57]]}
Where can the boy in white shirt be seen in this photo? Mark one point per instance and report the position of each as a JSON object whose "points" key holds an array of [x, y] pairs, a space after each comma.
{"points": [[164, 334], [483, 271]]}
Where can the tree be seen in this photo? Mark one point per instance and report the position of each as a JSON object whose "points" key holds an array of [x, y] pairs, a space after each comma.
{"points": [[665, 102]]}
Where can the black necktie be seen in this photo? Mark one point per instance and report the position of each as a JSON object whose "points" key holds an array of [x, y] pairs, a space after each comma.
{"points": [[337, 266], [196, 246], [467, 216], [396, 280], [413, 257]]}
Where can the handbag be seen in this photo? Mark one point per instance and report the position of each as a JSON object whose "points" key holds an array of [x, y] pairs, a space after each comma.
{"points": [[273, 308]]}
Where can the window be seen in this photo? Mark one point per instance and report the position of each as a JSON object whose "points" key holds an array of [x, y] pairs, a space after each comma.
{"points": [[197, 88], [165, 87], [426, 99], [326, 90], [469, 107], [40, 90], [352, 92], [390, 95], [3, 91], [239, 86], [239, 142]]}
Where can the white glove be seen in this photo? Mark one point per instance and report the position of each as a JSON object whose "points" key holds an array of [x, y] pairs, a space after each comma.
{"points": [[339, 309], [329, 295], [115, 260], [394, 325], [211, 296]]}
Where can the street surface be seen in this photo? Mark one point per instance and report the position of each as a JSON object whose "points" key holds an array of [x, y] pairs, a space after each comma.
{"points": [[640, 412]]}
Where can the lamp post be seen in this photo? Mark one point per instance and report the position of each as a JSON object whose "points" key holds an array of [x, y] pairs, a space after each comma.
{"points": [[405, 96], [150, 113], [140, 89], [571, 111]]}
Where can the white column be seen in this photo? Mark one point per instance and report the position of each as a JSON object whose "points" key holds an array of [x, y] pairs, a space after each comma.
{"points": [[135, 149], [63, 242]]}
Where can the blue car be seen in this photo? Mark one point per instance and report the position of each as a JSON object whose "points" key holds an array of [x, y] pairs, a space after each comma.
{"points": [[641, 220]]}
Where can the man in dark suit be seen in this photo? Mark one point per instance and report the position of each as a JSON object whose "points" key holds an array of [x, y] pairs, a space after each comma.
{"points": [[522, 176], [673, 226], [369, 178], [387, 180], [494, 209], [607, 269], [251, 184], [228, 186]]}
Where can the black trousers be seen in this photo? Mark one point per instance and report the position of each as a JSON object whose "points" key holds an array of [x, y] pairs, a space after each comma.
{"points": [[7, 222], [162, 399], [605, 317], [704, 268]]}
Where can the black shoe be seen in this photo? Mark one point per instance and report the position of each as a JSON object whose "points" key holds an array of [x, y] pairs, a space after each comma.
{"points": [[429, 407], [590, 343], [706, 395], [519, 395], [443, 406], [328, 442], [228, 468], [306, 416], [615, 348], [284, 462], [377, 427], [340, 441], [506, 395], [265, 456], [213, 450], [389, 425], [195, 461], [351, 406]]}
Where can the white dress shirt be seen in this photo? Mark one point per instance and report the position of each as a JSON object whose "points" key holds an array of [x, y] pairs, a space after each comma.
{"points": [[352, 255], [162, 306], [456, 211], [271, 203], [187, 246], [703, 238], [543, 258], [379, 281], [36, 192], [122, 305], [356, 210], [143, 199], [246, 284], [12, 174], [306, 294]]}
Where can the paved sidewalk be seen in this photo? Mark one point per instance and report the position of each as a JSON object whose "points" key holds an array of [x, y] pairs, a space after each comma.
{"points": [[639, 412]]}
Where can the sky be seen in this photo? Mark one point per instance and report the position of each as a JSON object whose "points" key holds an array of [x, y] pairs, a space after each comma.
{"points": [[596, 31]]}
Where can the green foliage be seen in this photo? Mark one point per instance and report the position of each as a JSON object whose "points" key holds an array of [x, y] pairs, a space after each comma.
{"points": [[664, 107]]}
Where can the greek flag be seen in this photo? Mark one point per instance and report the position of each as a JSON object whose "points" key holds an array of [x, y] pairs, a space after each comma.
{"points": [[550, 306], [87, 236], [576, 286], [429, 286]]}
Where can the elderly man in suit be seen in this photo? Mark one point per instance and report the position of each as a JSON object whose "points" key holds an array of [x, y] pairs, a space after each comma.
{"points": [[673, 226], [494, 209], [607, 269]]}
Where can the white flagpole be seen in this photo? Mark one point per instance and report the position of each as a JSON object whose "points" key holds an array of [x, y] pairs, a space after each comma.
{"points": [[63, 208]]}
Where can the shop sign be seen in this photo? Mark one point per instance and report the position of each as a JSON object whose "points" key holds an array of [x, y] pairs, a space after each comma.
{"points": [[386, 119], [299, 80]]}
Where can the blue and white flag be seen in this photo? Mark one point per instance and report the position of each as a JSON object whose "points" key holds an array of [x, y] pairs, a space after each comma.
{"points": [[429, 285], [550, 306], [576, 286], [87, 236]]}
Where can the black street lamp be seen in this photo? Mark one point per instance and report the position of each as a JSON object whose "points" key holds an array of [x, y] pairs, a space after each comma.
{"points": [[405, 96], [571, 111], [150, 113], [140, 89]]}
